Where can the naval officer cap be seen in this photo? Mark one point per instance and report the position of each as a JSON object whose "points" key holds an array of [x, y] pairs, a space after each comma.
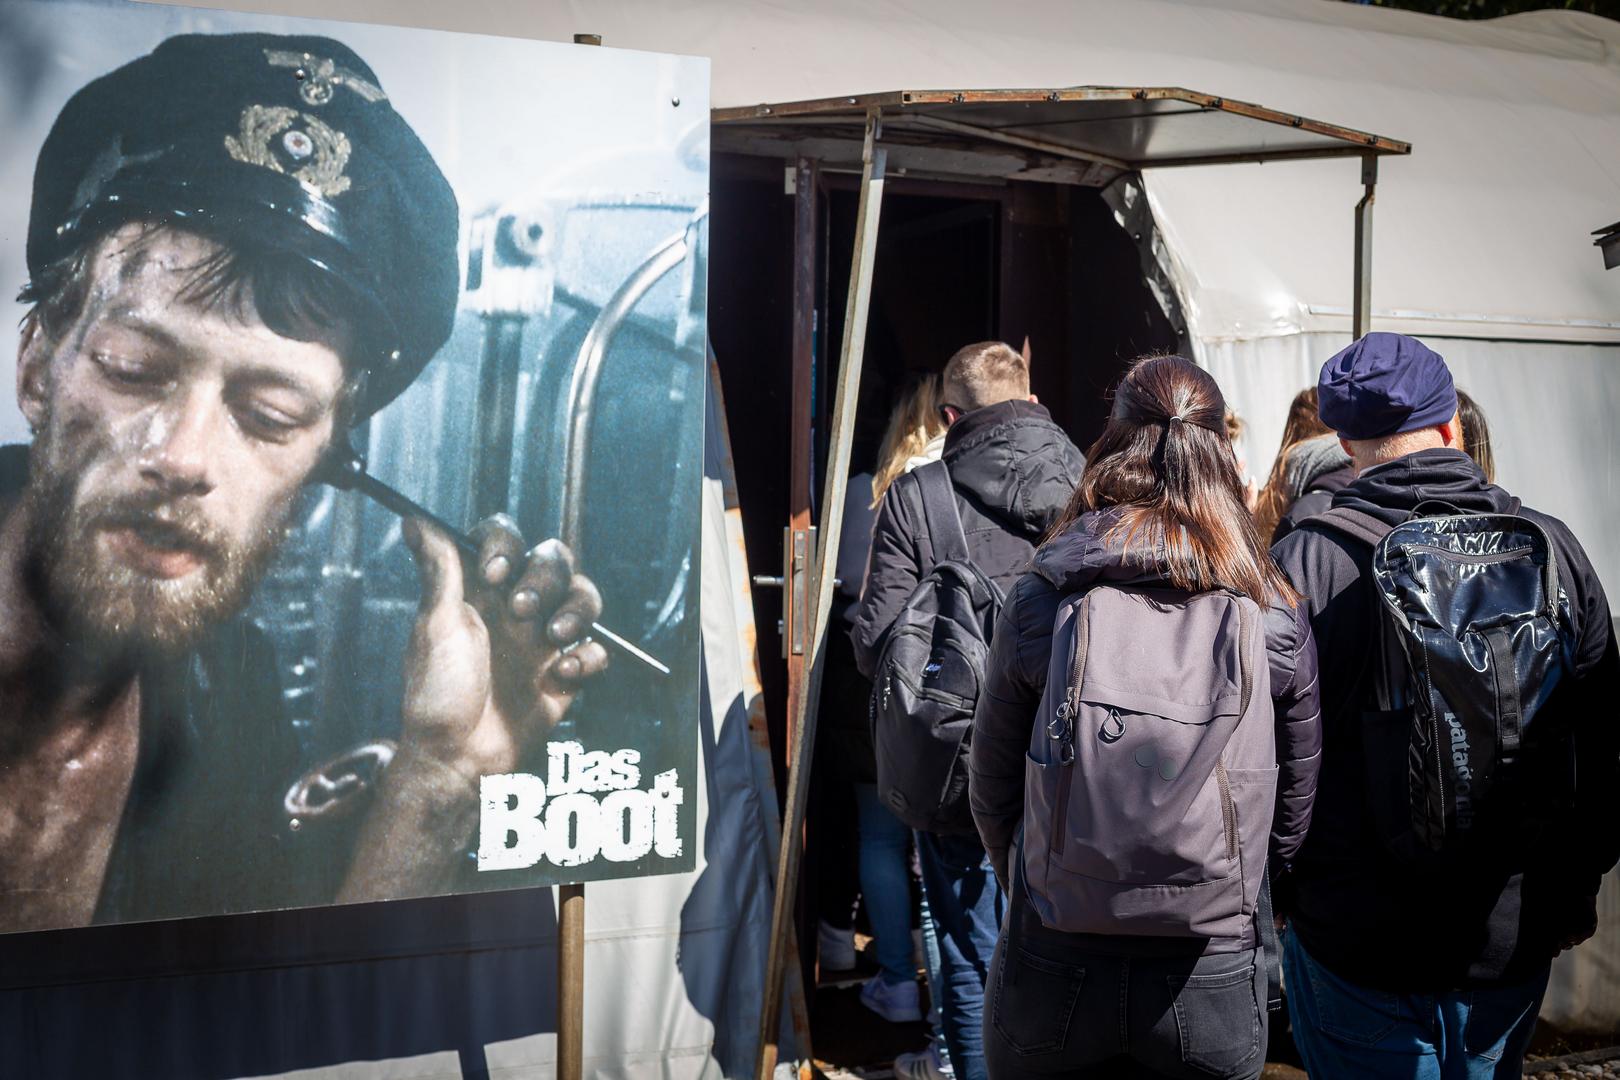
{"points": [[285, 143]]}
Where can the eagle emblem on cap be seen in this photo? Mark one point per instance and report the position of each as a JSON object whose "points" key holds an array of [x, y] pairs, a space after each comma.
{"points": [[319, 77], [297, 144]]}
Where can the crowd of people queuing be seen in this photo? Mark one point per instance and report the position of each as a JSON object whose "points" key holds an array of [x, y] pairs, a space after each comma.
{"points": [[1172, 748]]}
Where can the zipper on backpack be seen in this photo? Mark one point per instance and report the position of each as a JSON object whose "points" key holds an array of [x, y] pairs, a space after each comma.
{"points": [[1471, 557], [1071, 714], [1228, 813]]}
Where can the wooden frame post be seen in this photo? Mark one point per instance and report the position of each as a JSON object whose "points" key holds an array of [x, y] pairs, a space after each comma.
{"points": [[803, 720]]}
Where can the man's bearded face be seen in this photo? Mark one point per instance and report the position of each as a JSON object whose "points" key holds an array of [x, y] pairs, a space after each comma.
{"points": [[173, 439]]}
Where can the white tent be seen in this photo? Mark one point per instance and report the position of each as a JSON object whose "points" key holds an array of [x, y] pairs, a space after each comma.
{"points": [[1480, 238]]}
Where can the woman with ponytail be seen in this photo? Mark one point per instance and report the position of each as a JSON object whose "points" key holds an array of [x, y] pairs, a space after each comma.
{"points": [[1159, 515]]}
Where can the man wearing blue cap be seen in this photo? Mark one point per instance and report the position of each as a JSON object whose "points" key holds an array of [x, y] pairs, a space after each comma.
{"points": [[237, 250], [1398, 964]]}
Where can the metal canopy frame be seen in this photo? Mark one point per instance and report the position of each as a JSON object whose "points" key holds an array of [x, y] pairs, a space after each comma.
{"points": [[1088, 135], [1084, 134]]}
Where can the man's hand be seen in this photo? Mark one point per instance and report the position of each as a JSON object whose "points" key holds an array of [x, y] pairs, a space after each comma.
{"points": [[494, 662]]}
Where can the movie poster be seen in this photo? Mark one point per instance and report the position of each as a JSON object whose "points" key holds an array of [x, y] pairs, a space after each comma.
{"points": [[350, 509]]}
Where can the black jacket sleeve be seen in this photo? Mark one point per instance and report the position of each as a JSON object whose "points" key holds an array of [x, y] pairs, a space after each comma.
{"points": [[895, 567], [1296, 702], [1592, 841], [1015, 678]]}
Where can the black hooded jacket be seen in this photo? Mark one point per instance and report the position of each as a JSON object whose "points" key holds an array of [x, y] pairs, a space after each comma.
{"points": [[1317, 499], [1382, 924], [1016, 678], [1013, 470]]}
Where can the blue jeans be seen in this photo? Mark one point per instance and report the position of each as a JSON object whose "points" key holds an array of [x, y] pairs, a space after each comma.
{"points": [[966, 904], [931, 960], [1345, 1030], [886, 883]]}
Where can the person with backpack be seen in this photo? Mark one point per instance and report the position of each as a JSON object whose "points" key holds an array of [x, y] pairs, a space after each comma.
{"points": [[1146, 742], [950, 538], [1471, 758]]}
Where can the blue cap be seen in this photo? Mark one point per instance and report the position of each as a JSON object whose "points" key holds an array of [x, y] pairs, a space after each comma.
{"points": [[1385, 384]]}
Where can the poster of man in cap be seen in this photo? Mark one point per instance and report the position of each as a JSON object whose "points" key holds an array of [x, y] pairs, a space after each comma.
{"points": [[349, 489]]}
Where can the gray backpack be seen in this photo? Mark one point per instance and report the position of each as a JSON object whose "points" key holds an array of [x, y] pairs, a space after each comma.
{"points": [[1152, 772]]}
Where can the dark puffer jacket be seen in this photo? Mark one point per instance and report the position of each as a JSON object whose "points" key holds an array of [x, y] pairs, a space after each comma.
{"points": [[1013, 470], [1385, 925], [1022, 647]]}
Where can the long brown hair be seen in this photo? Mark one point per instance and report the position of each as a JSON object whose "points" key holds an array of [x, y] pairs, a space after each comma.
{"points": [[914, 423], [1163, 459], [1476, 436], [1275, 498]]}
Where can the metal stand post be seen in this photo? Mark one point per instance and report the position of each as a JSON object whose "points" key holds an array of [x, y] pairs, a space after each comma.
{"points": [[1361, 310], [832, 513]]}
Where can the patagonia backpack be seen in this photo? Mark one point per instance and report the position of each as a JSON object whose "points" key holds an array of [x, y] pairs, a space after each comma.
{"points": [[1473, 637], [1152, 770], [929, 673]]}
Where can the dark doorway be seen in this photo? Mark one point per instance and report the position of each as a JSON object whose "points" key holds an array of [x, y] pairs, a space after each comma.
{"points": [[956, 264]]}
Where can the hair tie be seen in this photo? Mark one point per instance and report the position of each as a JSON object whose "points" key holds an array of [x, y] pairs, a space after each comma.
{"points": [[1178, 419]]}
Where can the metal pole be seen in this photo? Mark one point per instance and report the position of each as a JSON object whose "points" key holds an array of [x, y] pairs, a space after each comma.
{"points": [[1361, 310], [873, 159]]}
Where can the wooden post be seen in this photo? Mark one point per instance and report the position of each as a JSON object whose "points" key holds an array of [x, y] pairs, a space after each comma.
{"points": [[800, 452], [570, 981], [832, 515]]}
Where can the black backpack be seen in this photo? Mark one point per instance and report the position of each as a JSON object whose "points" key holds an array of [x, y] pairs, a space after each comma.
{"points": [[1473, 637], [930, 671]]}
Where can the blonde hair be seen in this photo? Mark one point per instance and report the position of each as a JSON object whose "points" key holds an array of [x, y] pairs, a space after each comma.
{"points": [[1303, 424], [914, 423], [985, 374]]}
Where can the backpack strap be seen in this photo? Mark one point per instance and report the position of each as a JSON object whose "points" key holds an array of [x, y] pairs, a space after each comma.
{"points": [[1354, 524], [940, 516], [1270, 950]]}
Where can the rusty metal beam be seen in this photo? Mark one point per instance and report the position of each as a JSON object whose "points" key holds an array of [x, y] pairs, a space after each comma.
{"points": [[1259, 157], [832, 513], [1361, 303], [1024, 142], [899, 101]]}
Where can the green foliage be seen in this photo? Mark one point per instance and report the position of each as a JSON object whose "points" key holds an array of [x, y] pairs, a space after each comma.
{"points": [[1490, 9]]}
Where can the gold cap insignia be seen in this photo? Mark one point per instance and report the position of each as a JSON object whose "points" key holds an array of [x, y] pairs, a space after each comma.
{"points": [[311, 152], [322, 76]]}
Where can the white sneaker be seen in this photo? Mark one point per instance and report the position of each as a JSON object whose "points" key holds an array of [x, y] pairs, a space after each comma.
{"points": [[920, 1065], [835, 947], [897, 1003]]}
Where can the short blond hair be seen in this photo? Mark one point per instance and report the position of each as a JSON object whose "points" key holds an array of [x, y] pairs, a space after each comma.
{"points": [[985, 374], [1365, 453]]}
